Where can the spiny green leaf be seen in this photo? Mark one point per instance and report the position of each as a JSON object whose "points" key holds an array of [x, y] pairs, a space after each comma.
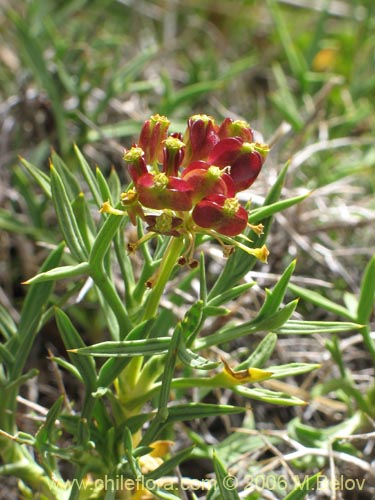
{"points": [[189, 411], [84, 220], [170, 464], [103, 240]]}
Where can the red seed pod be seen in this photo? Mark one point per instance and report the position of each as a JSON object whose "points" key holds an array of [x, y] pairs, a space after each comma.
{"points": [[224, 215], [236, 128], [244, 159], [206, 179], [136, 163], [153, 133], [200, 137], [160, 192], [173, 154]]}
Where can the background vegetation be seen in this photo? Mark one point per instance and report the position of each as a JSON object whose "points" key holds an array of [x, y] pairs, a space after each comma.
{"points": [[301, 72]]}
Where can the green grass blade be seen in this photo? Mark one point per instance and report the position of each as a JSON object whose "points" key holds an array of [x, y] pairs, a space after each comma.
{"points": [[367, 294], [296, 62], [303, 488], [32, 52]]}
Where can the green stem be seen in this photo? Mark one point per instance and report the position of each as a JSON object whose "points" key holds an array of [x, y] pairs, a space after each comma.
{"points": [[129, 380], [162, 276]]}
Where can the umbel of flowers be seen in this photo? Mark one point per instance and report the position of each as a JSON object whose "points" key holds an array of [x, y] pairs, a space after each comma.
{"points": [[186, 184]]}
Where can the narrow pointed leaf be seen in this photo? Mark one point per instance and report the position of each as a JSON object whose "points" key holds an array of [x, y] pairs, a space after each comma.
{"points": [[320, 301], [72, 339], [191, 411], [276, 296], [367, 294], [225, 482], [43, 435], [233, 332], [40, 177], [262, 353], [292, 369], [60, 273], [170, 464], [8, 327], [296, 327], [33, 306], [69, 180], [305, 486], [230, 294], [267, 396], [89, 176], [103, 187], [125, 348], [194, 360], [66, 218], [259, 214]]}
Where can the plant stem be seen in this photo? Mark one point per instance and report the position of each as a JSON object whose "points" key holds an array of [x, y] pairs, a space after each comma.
{"points": [[162, 276]]}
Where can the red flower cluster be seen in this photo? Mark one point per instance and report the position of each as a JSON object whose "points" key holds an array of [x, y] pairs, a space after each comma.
{"points": [[193, 177]]}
